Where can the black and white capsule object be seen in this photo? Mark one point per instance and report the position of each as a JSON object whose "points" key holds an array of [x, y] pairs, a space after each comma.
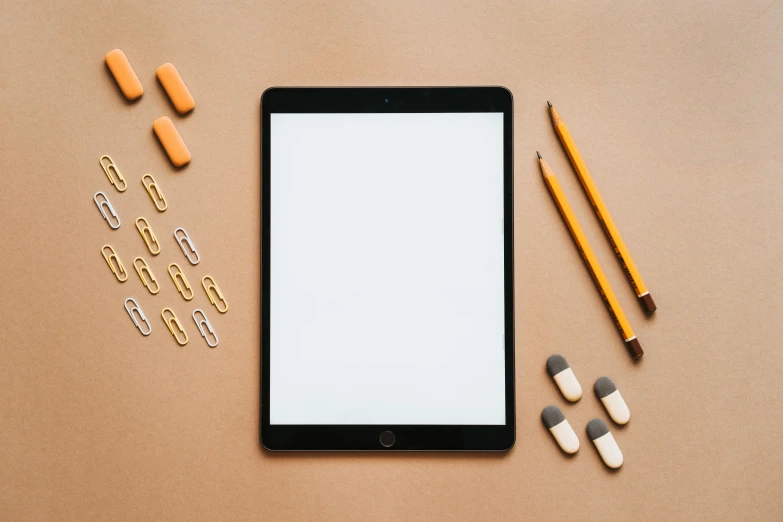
{"points": [[560, 429], [564, 377], [610, 396], [604, 442]]}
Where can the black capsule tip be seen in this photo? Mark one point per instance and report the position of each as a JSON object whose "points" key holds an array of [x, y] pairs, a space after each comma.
{"points": [[556, 364], [597, 428], [538, 154], [552, 416], [604, 386]]}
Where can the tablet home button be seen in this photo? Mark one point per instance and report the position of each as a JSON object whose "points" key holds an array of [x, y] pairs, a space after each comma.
{"points": [[387, 439]]}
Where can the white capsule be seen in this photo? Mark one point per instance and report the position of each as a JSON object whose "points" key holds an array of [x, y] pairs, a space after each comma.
{"points": [[564, 377], [604, 442], [560, 429], [610, 396]]}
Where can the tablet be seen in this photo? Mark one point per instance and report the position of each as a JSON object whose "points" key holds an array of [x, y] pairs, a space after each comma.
{"points": [[387, 269]]}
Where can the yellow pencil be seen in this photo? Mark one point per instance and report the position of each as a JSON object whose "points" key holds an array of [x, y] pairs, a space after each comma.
{"points": [[591, 261], [642, 293]]}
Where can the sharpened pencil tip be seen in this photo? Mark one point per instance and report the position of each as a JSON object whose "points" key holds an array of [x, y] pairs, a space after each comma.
{"points": [[539, 155], [549, 103]]}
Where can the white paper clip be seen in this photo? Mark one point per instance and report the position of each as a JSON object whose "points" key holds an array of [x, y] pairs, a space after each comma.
{"points": [[205, 322], [104, 204], [186, 239], [136, 308]]}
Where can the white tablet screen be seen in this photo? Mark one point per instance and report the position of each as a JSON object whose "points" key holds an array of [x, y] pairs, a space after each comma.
{"points": [[386, 269]]}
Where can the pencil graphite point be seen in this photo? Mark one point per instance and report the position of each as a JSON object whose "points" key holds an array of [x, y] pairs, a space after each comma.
{"points": [[549, 103], [545, 170]]}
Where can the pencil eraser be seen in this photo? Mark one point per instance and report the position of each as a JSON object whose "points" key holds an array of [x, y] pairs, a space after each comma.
{"points": [[634, 347], [564, 377], [604, 442], [171, 140], [124, 74], [175, 87], [561, 430], [607, 391], [648, 303]]}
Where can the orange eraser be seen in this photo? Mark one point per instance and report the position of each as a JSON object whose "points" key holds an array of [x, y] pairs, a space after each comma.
{"points": [[171, 140], [124, 75], [178, 92]]}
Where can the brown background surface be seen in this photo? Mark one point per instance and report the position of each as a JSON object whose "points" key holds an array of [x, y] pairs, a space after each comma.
{"points": [[676, 110]]}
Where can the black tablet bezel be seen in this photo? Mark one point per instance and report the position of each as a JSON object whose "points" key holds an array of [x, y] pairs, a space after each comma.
{"points": [[388, 100]]}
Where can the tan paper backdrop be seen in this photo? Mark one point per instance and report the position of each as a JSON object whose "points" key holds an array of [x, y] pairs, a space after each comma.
{"points": [[676, 109]]}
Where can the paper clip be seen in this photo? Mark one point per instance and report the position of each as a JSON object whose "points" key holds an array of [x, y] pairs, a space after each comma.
{"points": [[185, 238], [110, 167], [151, 241], [212, 285], [104, 204], [146, 268], [136, 308], [173, 319], [205, 322], [179, 273], [154, 185], [120, 270]]}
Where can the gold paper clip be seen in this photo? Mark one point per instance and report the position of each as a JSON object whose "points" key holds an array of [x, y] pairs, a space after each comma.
{"points": [[173, 319], [157, 198], [119, 272], [184, 238], [136, 308], [146, 268], [212, 285], [151, 241], [103, 205], [110, 167], [205, 322], [179, 273]]}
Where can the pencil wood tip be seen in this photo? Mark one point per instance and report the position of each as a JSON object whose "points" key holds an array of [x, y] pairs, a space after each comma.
{"points": [[539, 155], [549, 103]]}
